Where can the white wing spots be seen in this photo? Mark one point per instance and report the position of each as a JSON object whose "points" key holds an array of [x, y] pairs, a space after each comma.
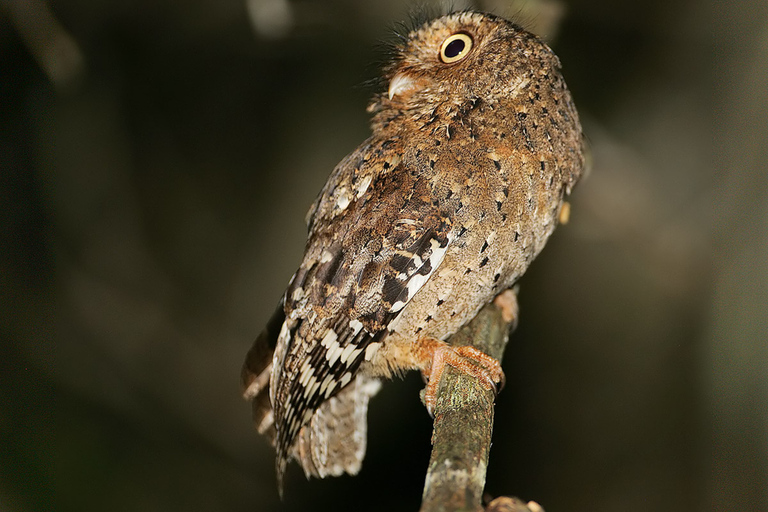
{"points": [[331, 343], [333, 354], [345, 379], [293, 423], [305, 373], [417, 280], [330, 339], [278, 358], [325, 383], [363, 186], [397, 306], [329, 384], [438, 253], [310, 391], [310, 385], [414, 261], [343, 200], [298, 294], [371, 350], [326, 256], [331, 388], [349, 354], [355, 325]]}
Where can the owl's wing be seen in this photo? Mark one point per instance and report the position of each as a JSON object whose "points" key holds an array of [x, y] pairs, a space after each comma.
{"points": [[256, 371], [359, 271]]}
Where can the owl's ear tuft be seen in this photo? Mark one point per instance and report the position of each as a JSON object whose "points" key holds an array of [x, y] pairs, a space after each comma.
{"points": [[421, 14]]}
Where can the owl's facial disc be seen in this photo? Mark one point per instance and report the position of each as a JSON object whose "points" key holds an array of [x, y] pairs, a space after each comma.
{"points": [[400, 84]]}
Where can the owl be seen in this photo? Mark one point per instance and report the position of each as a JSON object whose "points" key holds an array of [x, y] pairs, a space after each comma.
{"points": [[475, 144]]}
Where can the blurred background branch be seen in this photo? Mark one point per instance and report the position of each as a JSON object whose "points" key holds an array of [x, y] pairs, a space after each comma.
{"points": [[56, 52]]}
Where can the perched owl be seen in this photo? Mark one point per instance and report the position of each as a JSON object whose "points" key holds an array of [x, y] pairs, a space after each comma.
{"points": [[475, 144]]}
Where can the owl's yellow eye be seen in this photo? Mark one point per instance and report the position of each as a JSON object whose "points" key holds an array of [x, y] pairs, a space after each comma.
{"points": [[455, 48]]}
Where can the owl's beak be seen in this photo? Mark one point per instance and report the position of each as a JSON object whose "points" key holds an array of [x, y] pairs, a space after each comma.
{"points": [[399, 84]]}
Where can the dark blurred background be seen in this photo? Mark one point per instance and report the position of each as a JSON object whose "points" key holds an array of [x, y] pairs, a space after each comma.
{"points": [[156, 162]]}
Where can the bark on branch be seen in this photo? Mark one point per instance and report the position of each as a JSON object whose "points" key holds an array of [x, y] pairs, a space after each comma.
{"points": [[463, 422]]}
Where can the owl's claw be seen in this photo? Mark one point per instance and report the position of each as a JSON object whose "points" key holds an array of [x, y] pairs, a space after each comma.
{"points": [[466, 359]]}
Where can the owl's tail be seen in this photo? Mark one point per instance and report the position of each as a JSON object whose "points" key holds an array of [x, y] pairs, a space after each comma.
{"points": [[334, 440]]}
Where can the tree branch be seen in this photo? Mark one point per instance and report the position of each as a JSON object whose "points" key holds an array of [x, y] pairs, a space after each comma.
{"points": [[463, 423]]}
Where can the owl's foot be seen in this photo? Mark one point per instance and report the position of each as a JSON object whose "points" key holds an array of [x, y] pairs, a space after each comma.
{"points": [[467, 360]]}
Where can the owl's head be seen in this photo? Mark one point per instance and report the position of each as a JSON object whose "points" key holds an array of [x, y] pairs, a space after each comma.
{"points": [[464, 57]]}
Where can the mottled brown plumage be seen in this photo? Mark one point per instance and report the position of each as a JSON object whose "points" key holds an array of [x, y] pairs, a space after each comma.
{"points": [[475, 144]]}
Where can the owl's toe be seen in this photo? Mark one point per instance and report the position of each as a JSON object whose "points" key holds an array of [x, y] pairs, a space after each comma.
{"points": [[466, 359]]}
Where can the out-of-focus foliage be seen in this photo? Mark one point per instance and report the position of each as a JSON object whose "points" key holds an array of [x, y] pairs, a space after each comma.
{"points": [[156, 161]]}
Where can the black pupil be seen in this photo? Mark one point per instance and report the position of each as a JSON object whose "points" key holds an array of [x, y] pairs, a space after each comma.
{"points": [[454, 48]]}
